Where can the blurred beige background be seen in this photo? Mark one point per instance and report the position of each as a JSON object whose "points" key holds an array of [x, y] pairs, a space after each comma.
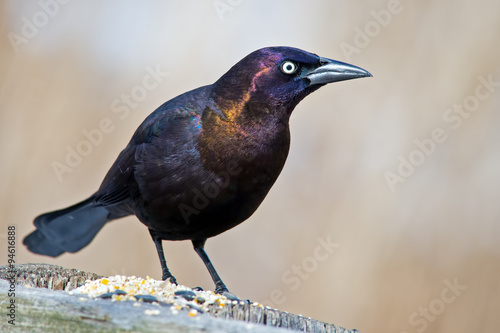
{"points": [[417, 254]]}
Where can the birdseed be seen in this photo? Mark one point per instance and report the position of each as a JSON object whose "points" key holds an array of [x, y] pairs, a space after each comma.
{"points": [[130, 288]]}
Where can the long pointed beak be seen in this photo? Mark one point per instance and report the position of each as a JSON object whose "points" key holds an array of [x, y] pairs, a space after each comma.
{"points": [[334, 71]]}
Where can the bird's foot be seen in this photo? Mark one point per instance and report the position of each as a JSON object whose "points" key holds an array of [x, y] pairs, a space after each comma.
{"points": [[224, 292], [169, 278], [230, 296]]}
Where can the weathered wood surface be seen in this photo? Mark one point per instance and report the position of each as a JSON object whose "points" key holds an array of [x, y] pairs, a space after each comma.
{"points": [[49, 276], [54, 310]]}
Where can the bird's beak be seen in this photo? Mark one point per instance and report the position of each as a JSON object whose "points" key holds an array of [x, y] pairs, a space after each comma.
{"points": [[334, 71]]}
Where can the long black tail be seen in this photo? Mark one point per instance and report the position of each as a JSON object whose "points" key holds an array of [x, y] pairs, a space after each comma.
{"points": [[67, 230]]}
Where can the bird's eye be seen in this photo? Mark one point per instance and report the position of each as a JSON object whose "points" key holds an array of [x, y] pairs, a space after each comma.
{"points": [[289, 67]]}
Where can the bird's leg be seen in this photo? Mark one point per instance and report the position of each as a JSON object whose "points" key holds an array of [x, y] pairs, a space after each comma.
{"points": [[166, 275], [220, 287], [198, 245]]}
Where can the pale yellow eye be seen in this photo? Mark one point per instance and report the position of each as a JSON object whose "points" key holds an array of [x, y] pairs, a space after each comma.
{"points": [[289, 67]]}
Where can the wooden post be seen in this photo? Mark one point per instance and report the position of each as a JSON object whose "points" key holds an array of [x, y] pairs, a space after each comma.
{"points": [[42, 303]]}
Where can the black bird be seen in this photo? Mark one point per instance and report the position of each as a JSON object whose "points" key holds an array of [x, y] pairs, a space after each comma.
{"points": [[202, 162]]}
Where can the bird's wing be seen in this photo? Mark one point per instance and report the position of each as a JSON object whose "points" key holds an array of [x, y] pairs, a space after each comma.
{"points": [[157, 156], [169, 159]]}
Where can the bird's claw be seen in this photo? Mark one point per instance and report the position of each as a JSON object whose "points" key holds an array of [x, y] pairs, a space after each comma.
{"points": [[170, 279], [231, 296]]}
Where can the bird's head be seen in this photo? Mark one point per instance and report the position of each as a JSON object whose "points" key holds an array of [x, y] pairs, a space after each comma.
{"points": [[275, 79]]}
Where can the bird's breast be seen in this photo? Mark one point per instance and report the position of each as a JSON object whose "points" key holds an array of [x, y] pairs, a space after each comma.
{"points": [[255, 154]]}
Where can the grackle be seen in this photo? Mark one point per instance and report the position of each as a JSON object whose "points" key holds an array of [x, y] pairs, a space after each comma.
{"points": [[202, 162]]}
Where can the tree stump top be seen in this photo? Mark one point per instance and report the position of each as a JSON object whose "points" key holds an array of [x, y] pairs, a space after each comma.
{"points": [[42, 300]]}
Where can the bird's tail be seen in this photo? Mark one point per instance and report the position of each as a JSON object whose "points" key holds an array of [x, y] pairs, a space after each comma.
{"points": [[67, 230]]}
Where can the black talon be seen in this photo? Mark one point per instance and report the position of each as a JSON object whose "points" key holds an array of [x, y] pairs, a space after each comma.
{"points": [[170, 279], [229, 296]]}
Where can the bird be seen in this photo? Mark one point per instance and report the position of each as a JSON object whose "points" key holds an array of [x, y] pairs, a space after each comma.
{"points": [[202, 162]]}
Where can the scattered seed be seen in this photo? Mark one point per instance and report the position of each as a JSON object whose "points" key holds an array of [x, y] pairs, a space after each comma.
{"points": [[146, 298], [120, 288], [110, 294], [187, 294], [199, 300]]}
